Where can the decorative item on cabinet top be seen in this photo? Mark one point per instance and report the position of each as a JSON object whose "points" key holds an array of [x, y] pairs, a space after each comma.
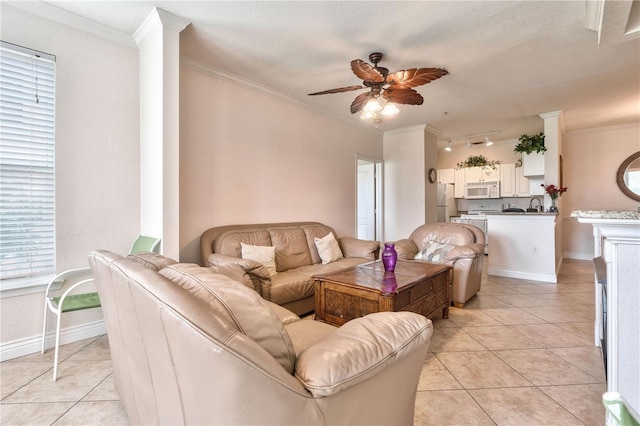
{"points": [[478, 161], [531, 143]]}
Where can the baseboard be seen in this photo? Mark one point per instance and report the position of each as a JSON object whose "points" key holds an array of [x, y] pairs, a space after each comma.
{"points": [[29, 345], [548, 278], [578, 255]]}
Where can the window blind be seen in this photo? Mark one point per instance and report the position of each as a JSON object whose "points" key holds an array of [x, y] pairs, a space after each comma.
{"points": [[27, 163]]}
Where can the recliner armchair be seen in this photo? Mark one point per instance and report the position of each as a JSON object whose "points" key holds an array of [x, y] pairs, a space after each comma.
{"points": [[466, 256], [193, 346]]}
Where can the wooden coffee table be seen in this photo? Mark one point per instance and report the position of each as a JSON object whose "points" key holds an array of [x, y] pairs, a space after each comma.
{"points": [[419, 287]]}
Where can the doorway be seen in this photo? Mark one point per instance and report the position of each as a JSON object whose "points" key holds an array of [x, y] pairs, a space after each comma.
{"points": [[369, 198]]}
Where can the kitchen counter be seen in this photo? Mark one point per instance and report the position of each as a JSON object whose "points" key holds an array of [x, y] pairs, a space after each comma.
{"points": [[523, 245], [606, 214], [522, 213]]}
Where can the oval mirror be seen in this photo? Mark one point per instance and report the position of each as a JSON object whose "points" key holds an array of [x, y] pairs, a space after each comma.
{"points": [[628, 176]]}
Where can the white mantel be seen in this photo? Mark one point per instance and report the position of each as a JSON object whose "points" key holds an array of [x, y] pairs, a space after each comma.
{"points": [[617, 239]]}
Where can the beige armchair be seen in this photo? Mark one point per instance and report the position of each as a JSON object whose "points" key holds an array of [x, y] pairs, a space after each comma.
{"points": [[191, 345], [466, 254]]}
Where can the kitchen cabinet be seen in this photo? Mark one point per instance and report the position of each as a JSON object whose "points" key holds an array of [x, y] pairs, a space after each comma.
{"points": [[513, 183], [458, 183], [533, 164], [534, 186], [446, 176], [482, 174]]}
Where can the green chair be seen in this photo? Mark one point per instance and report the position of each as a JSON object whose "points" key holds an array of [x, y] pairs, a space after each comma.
{"points": [[617, 408], [144, 243], [69, 301]]}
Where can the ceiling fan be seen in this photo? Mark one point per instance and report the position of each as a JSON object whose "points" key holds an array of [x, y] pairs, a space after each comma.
{"points": [[394, 87]]}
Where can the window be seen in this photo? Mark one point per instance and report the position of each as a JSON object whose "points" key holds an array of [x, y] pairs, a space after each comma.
{"points": [[27, 173]]}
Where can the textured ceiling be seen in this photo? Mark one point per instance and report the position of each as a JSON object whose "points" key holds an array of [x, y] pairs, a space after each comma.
{"points": [[507, 61]]}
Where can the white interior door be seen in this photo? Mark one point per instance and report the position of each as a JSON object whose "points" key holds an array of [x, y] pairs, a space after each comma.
{"points": [[368, 221]]}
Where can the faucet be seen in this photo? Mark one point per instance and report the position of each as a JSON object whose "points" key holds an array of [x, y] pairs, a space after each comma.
{"points": [[531, 204]]}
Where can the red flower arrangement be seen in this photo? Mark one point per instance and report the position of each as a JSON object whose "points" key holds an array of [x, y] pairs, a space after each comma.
{"points": [[553, 191]]}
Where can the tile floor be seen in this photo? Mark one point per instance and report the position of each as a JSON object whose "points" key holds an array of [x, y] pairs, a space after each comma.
{"points": [[519, 353]]}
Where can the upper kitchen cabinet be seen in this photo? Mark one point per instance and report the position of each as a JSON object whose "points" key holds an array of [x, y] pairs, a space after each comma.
{"points": [[446, 176], [533, 164], [513, 183], [458, 183], [482, 174]]}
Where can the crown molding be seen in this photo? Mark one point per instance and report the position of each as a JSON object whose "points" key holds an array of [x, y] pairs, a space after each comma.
{"points": [[558, 115], [605, 128], [157, 20], [594, 15], [220, 74], [62, 16], [413, 129]]}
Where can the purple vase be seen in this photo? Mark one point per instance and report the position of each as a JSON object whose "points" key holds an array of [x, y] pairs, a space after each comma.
{"points": [[389, 257]]}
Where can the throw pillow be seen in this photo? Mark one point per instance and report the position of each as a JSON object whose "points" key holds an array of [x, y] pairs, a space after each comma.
{"points": [[263, 254], [328, 248], [434, 251]]}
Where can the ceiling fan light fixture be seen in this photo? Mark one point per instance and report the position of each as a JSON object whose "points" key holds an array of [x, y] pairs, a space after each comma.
{"points": [[448, 148], [389, 109], [488, 142], [468, 143], [373, 105], [368, 115]]}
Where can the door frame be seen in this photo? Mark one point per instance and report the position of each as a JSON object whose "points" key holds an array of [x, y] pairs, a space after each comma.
{"points": [[379, 194]]}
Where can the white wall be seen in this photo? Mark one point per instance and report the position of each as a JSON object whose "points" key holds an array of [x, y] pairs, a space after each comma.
{"points": [[590, 161], [247, 157], [404, 182], [97, 154]]}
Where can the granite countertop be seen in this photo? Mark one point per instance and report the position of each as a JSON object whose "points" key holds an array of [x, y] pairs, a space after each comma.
{"points": [[521, 213], [606, 214]]}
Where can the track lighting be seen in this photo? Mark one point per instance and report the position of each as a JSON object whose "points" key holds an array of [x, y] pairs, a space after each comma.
{"points": [[470, 140]]}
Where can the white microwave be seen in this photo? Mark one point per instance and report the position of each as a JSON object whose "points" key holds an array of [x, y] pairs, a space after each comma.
{"points": [[482, 190]]}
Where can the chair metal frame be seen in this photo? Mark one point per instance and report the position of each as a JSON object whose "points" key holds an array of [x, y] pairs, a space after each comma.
{"points": [[56, 305]]}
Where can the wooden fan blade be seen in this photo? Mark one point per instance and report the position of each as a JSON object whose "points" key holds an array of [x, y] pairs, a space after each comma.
{"points": [[360, 101], [339, 90], [366, 72], [402, 96], [415, 77]]}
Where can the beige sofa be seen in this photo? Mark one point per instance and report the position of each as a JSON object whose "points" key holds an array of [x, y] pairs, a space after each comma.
{"points": [[296, 258], [466, 256], [190, 345]]}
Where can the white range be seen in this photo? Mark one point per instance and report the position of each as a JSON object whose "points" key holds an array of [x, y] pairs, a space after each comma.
{"points": [[476, 216]]}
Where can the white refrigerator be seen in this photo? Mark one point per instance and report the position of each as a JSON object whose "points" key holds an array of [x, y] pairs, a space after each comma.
{"points": [[446, 202]]}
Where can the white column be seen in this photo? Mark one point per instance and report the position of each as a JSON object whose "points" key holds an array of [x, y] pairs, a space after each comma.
{"points": [[430, 161], [553, 130], [158, 39], [404, 181]]}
